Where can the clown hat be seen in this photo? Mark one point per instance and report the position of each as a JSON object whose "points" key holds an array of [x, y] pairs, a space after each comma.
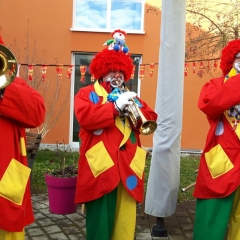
{"points": [[111, 60]]}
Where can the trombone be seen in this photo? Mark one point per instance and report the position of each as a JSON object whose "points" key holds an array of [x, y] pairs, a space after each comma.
{"points": [[8, 66]]}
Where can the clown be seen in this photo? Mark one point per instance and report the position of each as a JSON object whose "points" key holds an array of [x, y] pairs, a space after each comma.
{"points": [[20, 107], [111, 164], [217, 186], [118, 41]]}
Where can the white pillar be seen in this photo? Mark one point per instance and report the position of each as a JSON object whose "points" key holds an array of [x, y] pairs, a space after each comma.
{"points": [[163, 182]]}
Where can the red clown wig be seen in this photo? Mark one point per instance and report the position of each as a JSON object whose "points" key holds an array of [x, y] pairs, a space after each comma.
{"points": [[228, 54], [111, 60]]}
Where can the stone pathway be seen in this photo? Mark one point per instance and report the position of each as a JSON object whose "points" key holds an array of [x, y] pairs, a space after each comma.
{"points": [[72, 226]]}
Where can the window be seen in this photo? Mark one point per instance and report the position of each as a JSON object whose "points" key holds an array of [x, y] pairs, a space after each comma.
{"points": [[84, 59], [108, 15]]}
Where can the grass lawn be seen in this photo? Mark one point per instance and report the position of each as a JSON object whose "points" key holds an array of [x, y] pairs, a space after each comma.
{"points": [[48, 160]]}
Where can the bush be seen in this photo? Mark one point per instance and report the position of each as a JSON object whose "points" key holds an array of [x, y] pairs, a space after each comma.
{"points": [[188, 166], [49, 161]]}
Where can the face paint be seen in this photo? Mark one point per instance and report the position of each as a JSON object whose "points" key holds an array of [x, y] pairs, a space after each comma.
{"points": [[115, 82], [237, 65], [115, 79]]}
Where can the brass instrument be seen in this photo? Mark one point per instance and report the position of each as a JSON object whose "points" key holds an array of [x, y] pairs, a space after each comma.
{"points": [[8, 66], [138, 120]]}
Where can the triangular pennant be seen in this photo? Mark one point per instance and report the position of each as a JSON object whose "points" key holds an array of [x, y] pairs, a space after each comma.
{"points": [[142, 71], [185, 69], [133, 72], [69, 71], [83, 71], [151, 69], [194, 67], [44, 71], [59, 69], [92, 78], [30, 72]]}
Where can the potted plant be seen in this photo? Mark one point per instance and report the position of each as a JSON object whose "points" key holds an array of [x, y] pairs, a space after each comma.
{"points": [[61, 178]]}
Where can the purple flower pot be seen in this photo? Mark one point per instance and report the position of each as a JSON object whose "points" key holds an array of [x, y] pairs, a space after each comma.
{"points": [[61, 194]]}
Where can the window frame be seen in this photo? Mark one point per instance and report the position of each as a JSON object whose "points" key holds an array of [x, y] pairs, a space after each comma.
{"points": [[75, 144], [107, 29]]}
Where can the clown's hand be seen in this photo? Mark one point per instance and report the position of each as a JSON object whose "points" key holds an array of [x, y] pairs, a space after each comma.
{"points": [[125, 99]]}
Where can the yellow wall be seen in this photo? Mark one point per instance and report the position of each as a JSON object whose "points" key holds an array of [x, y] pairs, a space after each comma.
{"points": [[49, 22]]}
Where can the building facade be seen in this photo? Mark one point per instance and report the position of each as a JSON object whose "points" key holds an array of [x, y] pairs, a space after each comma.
{"points": [[54, 42]]}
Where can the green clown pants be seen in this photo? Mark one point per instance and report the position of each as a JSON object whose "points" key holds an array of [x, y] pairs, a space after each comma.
{"points": [[213, 215], [111, 217]]}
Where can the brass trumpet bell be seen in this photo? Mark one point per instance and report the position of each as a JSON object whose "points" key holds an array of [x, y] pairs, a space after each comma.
{"points": [[8, 66], [148, 127], [137, 118]]}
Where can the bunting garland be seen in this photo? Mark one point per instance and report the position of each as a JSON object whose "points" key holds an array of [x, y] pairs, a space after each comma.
{"points": [[151, 69], [202, 65], [44, 71], [83, 71], [30, 72], [59, 69]]}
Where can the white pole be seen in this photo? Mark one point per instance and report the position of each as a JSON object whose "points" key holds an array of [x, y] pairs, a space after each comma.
{"points": [[163, 182]]}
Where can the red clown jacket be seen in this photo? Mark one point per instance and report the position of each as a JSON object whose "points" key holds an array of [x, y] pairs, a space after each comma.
{"points": [[21, 107], [110, 151], [219, 169]]}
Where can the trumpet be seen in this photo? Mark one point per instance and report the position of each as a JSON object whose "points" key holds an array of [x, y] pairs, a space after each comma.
{"points": [[138, 120], [8, 66]]}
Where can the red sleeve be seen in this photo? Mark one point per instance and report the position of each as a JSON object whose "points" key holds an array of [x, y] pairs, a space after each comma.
{"points": [[90, 113], [23, 104], [216, 96]]}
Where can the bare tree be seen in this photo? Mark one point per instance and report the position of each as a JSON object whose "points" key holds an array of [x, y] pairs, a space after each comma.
{"points": [[51, 89], [212, 25]]}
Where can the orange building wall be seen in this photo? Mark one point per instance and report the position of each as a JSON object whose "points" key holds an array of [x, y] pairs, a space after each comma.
{"points": [[49, 22]]}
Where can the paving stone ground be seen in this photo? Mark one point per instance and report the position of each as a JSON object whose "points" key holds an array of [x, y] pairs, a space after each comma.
{"points": [[72, 226]]}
